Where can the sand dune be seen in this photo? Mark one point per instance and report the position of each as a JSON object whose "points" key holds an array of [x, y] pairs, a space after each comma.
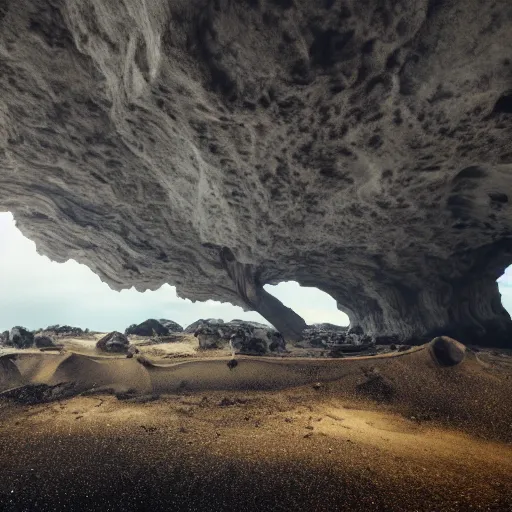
{"points": [[393, 433]]}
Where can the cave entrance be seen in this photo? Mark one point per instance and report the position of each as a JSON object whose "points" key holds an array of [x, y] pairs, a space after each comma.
{"points": [[312, 304]]}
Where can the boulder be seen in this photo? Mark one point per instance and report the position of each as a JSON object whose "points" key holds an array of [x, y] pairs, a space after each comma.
{"points": [[172, 326], [113, 342], [64, 330], [325, 336], [210, 340], [193, 327], [447, 351], [43, 341], [150, 327], [132, 351], [243, 337], [20, 337]]}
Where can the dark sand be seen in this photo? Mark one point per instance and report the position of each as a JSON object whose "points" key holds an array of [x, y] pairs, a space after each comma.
{"points": [[398, 433]]}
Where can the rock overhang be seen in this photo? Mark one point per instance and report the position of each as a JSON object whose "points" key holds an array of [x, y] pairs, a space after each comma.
{"points": [[360, 148]]}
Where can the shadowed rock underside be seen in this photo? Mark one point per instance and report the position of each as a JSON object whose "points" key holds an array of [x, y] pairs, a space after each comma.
{"points": [[361, 147]]}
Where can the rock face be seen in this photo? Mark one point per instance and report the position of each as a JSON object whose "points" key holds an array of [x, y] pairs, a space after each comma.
{"points": [[113, 342], [150, 327], [20, 337], [359, 147]]}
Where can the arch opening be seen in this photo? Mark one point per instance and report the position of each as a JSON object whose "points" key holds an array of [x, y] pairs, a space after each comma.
{"points": [[313, 305]]}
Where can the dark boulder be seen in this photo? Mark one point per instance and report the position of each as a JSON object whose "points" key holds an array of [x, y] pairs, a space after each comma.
{"points": [[43, 341], [20, 337], [150, 327], [172, 326], [64, 330], [193, 327], [323, 336], [243, 337], [113, 342], [447, 351], [30, 394]]}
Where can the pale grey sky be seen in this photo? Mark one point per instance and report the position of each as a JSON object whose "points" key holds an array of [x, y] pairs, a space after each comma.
{"points": [[36, 292]]}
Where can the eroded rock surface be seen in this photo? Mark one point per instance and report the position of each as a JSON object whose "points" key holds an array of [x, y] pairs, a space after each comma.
{"points": [[152, 327], [359, 147], [113, 342], [241, 336], [19, 337]]}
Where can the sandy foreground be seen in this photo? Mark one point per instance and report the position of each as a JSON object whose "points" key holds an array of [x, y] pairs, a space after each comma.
{"points": [[393, 432]]}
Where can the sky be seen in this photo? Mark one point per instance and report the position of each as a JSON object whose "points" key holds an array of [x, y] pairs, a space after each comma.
{"points": [[36, 292]]}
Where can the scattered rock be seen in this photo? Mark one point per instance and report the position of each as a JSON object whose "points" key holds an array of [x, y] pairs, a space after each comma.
{"points": [[338, 339], [44, 341], [227, 402], [40, 393], [20, 337], [403, 348], [150, 327], [64, 330], [232, 363], [113, 342], [447, 351], [318, 385]]}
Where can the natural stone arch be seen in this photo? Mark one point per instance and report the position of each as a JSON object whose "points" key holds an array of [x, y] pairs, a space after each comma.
{"points": [[347, 153]]}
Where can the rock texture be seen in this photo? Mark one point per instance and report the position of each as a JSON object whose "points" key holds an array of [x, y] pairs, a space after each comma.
{"points": [[150, 327], [243, 337], [172, 326], [44, 341], [19, 337], [114, 342], [359, 147]]}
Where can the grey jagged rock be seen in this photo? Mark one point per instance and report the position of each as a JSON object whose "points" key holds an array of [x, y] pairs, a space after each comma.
{"points": [[243, 337], [150, 327], [170, 325], [192, 328], [44, 341], [64, 330], [113, 342], [19, 337], [359, 147]]}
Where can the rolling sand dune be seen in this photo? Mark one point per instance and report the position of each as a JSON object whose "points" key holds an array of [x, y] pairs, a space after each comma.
{"points": [[410, 431]]}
